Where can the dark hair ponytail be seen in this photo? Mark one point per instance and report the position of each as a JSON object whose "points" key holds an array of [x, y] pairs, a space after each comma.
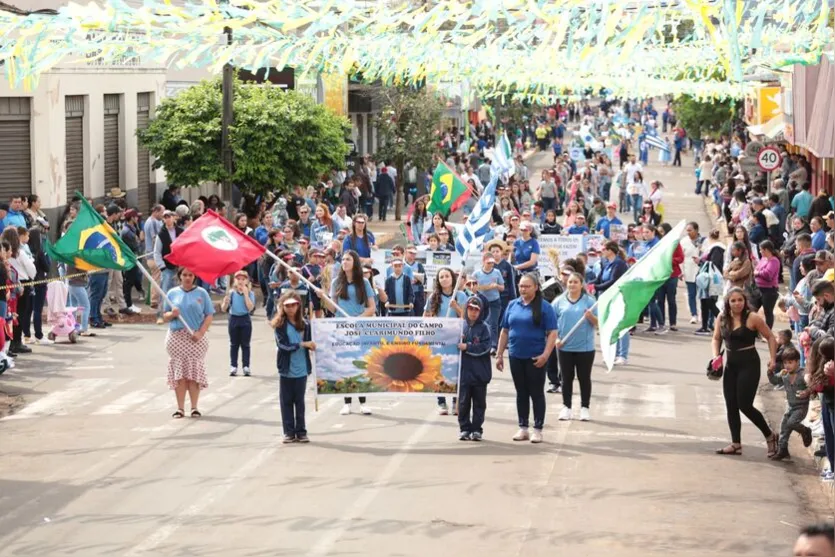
{"points": [[536, 303]]}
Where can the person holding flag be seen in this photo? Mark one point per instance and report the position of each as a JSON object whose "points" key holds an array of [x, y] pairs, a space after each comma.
{"points": [[189, 311]]}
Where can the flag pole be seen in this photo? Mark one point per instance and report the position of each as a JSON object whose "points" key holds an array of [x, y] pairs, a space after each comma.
{"points": [[319, 292], [162, 292], [577, 325]]}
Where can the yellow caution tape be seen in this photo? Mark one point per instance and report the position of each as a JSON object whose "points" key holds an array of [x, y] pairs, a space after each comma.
{"points": [[55, 279]]}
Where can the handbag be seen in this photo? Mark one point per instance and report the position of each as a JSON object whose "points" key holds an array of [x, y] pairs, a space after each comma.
{"points": [[715, 367]]}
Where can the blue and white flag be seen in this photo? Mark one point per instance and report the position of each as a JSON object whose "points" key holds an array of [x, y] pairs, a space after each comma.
{"points": [[651, 137], [472, 234]]}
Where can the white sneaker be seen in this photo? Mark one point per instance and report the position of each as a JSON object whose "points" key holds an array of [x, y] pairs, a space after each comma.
{"points": [[584, 415], [522, 435], [443, 410], [365, 410], [536, 436], [662, 331], [233, 371], [345, 410], [693, 320], [134, 309], [247, 372], [44, 341], [565, 414], [620, 361]]}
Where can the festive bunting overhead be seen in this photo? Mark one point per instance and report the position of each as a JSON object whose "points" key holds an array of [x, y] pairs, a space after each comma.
{"points": [[529, 49]]}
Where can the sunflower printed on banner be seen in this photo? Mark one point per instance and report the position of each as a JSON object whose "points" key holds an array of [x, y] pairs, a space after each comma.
{"points": [[90, 244], [409, 355]]}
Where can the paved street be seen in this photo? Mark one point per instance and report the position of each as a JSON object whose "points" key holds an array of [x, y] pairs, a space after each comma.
{"points": [[94, 465]]}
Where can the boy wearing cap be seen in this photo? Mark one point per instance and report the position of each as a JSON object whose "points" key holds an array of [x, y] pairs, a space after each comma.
{"points": [[490, 285], [401, 297], [476, 371]]}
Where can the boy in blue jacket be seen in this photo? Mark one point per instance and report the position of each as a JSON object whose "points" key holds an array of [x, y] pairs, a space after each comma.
{"points": [[476, 371]]}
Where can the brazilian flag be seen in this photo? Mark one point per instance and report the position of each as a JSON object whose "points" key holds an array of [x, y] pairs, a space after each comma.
{"points": [[448, 192], [90, 244]]}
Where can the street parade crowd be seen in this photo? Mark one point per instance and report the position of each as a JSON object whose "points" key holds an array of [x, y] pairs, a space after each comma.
{"points": [[772, 249]]}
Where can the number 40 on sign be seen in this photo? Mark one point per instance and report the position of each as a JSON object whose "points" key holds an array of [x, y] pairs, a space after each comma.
{"points": [[769, 159]]}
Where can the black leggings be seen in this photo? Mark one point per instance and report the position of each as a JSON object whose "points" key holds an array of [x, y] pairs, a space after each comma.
{"points": [[739, 385], [529, 381], [767, 302], [579, 364]]}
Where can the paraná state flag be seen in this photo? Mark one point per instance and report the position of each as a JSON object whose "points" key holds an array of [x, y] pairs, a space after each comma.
{"points": [[212, 247], [90, 243], [448, 192], [620, 307]]}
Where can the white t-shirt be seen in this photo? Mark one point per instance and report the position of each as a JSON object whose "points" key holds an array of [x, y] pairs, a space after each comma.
{"points": [[631, 169]]}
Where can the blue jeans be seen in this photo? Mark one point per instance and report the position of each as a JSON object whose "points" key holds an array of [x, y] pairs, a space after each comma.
{"points": [[637, 205], [97, 288], [79, 299], [240, 335], [828, 433], [656, 318], [691, 298], [168, 280], [291, 400], [495, 307], [622, 350]]}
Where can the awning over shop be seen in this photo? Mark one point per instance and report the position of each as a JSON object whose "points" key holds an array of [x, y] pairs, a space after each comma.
{"points": [[771, 129], [820, 139]]}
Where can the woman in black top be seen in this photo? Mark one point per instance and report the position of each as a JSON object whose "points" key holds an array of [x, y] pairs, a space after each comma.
{"points": [[738, 328]]}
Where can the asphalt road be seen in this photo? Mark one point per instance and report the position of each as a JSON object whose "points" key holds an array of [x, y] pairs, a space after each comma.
{"points": [[94, 465]]}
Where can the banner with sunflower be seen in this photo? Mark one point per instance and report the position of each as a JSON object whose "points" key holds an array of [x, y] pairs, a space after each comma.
{"points": [[394, 355]]}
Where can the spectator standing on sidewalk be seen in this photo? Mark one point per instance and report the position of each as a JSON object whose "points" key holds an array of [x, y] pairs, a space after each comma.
{"points": [[153, 224]]}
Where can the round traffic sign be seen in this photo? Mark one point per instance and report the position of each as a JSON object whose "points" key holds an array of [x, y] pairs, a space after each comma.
{"points": [[769, 159]]}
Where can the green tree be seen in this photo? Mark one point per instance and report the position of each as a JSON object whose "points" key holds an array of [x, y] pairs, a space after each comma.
{"points": [[408, 131], [699, 118], [279, 139]]}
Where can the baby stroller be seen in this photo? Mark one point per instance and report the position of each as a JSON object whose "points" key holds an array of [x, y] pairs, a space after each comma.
{"points": [[60, 317]]}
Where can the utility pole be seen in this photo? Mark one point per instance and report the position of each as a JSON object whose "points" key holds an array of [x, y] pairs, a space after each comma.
{"points": [[227, 120]]}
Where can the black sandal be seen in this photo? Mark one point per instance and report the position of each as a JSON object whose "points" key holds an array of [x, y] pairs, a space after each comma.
{"points": [[179, 414], [732, 449], [195, 413]]}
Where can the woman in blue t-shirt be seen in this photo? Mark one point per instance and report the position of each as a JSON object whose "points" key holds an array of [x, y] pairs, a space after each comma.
{"points": [[360, 240], [529, 331], [526, 250], [576, 353], [187, 304], [354, 295]]}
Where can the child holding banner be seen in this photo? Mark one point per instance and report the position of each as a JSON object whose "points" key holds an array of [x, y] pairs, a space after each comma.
{"points": [[476, 371]]}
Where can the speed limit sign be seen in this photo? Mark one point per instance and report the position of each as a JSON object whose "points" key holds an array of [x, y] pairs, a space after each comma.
{"points": [[769, 159]]}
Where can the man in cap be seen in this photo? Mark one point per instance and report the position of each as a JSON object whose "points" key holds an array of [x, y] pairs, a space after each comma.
{"points": [[115, 299], [490, 284], [401, 296], [604, 223]]}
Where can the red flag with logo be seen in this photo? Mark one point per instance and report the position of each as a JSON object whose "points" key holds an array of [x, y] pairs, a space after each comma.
{"points": [[212, 247]]}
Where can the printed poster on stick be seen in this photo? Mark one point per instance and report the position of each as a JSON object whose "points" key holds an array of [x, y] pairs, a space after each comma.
{"points": [[557, 248], [432, 261], [387, 355]]}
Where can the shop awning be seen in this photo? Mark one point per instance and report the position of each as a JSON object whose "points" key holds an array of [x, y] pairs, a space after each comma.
{"points": [[770, 129]]}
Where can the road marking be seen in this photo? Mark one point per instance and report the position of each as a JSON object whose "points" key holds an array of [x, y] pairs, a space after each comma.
{"points": [[214, 494], [361, 504], [90, 368], [614, 406], [125, 402], [703, 404], [659, 401], [78, 393], [648, 434]]}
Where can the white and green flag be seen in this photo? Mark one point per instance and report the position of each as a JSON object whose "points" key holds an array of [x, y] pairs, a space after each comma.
{"points": [[503, 157], [620, 307]]}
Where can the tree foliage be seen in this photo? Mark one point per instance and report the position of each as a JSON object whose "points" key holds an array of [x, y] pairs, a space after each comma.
{"points": [[701, 118], [279, 138], [408, 130]]}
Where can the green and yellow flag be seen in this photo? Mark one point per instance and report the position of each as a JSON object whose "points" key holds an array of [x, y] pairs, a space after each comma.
{"points": [[90, 243], [448, 192]]}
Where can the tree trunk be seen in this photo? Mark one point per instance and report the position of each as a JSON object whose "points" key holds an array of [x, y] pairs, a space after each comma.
{"points": [[398, 198]]}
